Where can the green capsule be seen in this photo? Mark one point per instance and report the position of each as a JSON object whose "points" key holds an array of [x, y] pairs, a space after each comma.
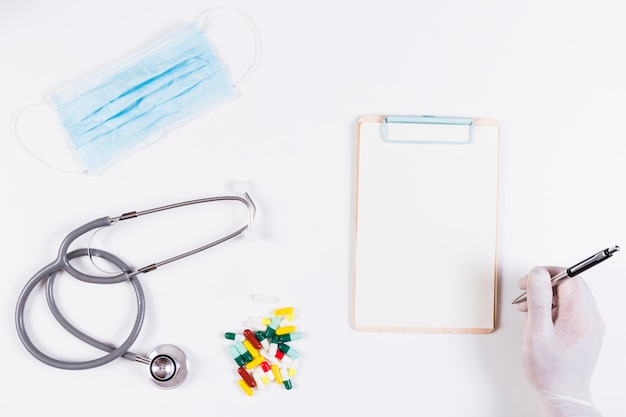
{"points": [[234, 352], [271, 328], [287, 337], [285, 377], [245, 354], [288, 350]]}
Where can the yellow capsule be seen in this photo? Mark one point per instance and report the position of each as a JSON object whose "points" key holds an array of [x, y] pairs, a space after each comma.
{"points": [[253, 351], [266, 320], [284, 330], [255, 362], [290, 316], [283, 311], [276, 371], [244, 386]]}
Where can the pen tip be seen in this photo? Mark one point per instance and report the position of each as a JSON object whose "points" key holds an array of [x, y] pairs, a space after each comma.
{"points": [[613, 249]]}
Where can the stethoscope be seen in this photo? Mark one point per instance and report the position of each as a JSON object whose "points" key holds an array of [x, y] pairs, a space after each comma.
{"points": [[167, 365]]}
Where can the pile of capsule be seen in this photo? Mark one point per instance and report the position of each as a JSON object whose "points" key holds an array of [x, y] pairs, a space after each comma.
{"points": [[262, 351]]}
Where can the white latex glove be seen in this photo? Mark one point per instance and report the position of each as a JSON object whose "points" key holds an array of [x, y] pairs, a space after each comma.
{"points": [[560, 345]]}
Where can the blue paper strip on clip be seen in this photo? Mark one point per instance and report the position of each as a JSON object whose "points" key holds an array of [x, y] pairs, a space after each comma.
{"points": [[461, 131]]}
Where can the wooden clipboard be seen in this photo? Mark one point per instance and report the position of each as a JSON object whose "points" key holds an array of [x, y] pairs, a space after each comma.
{"points": [[426, 224]]}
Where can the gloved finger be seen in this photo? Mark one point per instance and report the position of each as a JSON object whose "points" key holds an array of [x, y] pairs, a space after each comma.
{"points": [[554, 270], [539, 300], [523, 307], [590, 302], [578, 318], [576, 304], [592, 312], [522, 283]]}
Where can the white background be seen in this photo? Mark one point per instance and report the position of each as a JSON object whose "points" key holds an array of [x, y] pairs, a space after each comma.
{"points": [[551, 72]]}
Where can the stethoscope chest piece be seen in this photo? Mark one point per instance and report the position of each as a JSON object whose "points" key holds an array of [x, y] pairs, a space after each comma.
{"points": [[168, 366]]}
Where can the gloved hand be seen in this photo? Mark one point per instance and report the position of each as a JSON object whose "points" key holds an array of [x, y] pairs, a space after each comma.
{"points": [[561, 344]]}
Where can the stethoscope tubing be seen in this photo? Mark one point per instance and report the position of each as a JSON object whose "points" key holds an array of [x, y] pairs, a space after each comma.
{"points": [[62, 263], [48, 274]]}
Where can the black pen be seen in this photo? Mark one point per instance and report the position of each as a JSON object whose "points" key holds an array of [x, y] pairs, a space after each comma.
{"points": [[577, 269]]}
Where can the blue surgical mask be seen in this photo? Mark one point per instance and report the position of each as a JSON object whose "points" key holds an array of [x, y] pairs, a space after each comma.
{"points": [[127, 105]]}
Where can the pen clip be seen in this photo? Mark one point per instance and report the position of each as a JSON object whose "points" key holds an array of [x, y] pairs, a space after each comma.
{"points": [[591, 261]]}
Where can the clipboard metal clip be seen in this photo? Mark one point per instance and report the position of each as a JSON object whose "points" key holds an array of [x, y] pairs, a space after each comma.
{"points": [[427, 130]]}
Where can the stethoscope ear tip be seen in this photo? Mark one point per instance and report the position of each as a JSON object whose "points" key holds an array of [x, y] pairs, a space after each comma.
{"points": [[168, 366]]}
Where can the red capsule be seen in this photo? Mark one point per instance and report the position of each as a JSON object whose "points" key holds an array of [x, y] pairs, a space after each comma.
{"points": [[268, 370], [252, 339], [246, 377]]}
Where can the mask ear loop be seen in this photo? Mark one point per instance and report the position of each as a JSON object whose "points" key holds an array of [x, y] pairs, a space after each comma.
{"points": [[28, 151], [255, 34]]}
